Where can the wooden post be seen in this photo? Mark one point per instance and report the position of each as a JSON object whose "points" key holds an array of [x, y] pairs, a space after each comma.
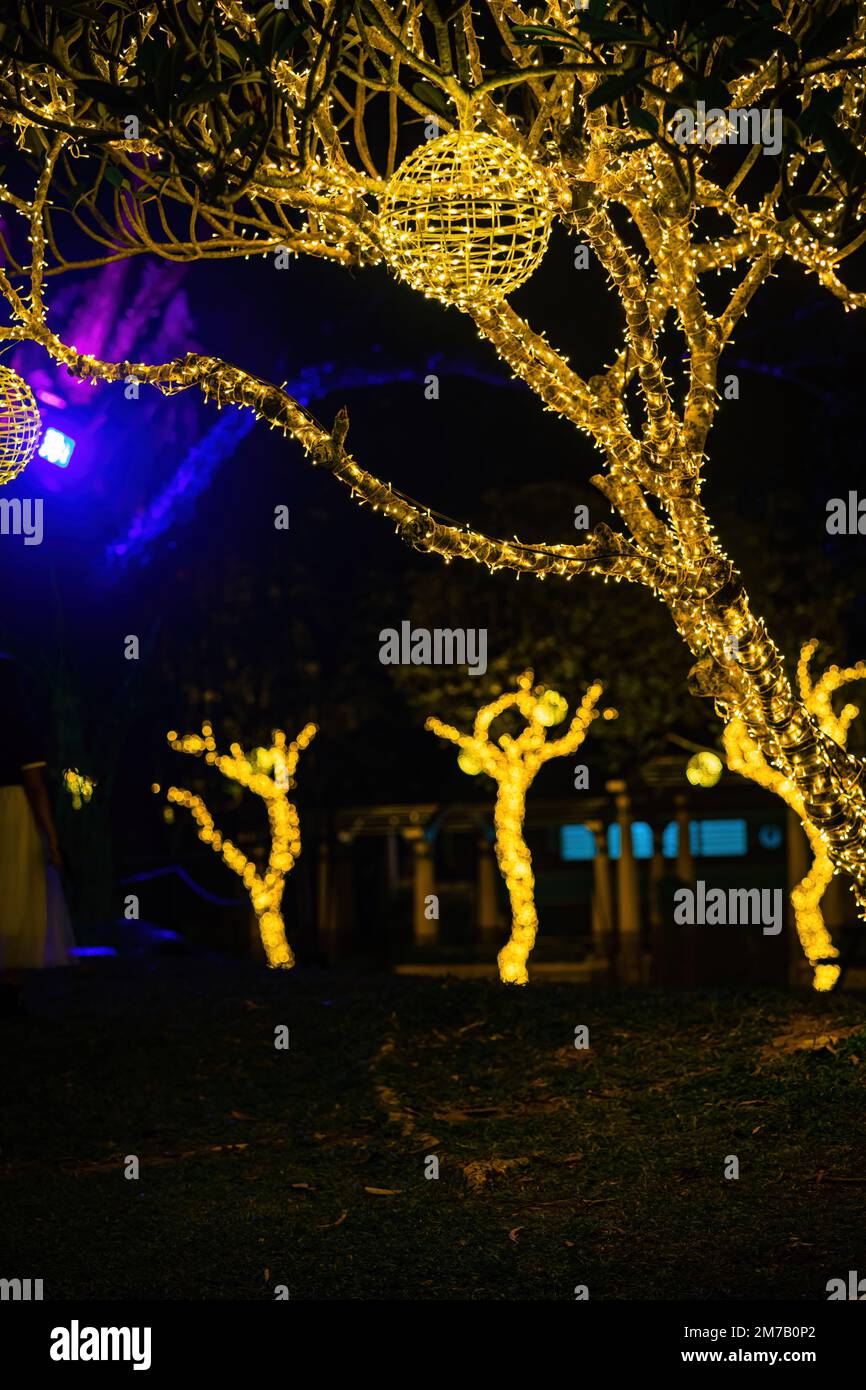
{"points": [[602, 903], [326, 918], [658, 965], [425, 929], [488, 919], [686, 876], [685, 861], [628, 893]]}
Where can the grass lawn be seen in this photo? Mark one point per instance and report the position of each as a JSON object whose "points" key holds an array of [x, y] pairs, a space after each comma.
{"points": [[305, 1167]]}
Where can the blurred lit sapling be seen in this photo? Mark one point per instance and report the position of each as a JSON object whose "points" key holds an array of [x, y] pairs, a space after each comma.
{"points": [[513, 763], [270, 774], [79, 786], [746, 757]]}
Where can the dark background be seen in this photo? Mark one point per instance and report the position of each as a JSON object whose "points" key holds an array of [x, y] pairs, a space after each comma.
{"points": [[162, 526]]}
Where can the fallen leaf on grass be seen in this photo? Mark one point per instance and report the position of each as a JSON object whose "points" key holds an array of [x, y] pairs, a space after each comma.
{"points": [[469, 1112], [384, 1191], [477, 1173], [457, 1114], [329, 1225], [809, 1035], [341, 1141], [512, 1235], [566, 1202], [823, 1176], [683, 1076], [568, 1054], [423, 1142]]}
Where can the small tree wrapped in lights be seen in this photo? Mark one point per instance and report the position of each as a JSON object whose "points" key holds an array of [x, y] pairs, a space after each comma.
{"points": [[745, 756], [270, 774], [513, 763]]}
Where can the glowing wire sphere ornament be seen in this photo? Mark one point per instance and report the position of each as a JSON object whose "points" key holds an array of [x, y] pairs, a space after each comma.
{"points": [[20, 425], [704, 769], [466, 218]]}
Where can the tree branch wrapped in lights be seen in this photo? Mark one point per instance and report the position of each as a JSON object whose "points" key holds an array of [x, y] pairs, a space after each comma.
{"points": [[196, 132]]}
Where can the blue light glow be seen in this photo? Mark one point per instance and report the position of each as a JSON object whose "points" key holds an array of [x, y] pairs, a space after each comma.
{"points": [[576, 842], [770, 836], [56, 447], [641, 840], [709, 839]]}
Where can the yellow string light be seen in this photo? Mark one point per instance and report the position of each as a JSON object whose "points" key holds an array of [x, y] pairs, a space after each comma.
{"points": [[269, 774], [513, 764]]}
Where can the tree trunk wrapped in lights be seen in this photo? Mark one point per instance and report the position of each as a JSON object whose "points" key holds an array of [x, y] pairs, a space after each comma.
{"points": [[270, 774], [597, 123], [513, 763], [745, 756]]}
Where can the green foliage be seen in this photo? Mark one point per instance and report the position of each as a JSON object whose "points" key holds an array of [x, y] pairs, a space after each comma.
{"points": [[709, 47], [207, 93]]}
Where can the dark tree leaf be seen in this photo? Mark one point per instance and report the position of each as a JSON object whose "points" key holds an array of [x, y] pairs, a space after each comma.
{"points": [[614, 87], [431, 96]]}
